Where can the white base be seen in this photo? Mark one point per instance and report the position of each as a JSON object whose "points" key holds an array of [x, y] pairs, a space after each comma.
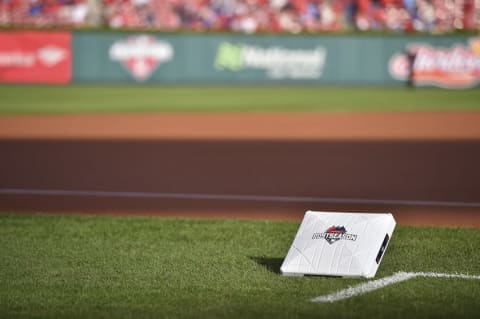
{"points": [[339, 244]]}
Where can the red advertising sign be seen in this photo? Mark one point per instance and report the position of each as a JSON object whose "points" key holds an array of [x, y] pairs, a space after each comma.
{"points": [[455, 67], [35, 57]]}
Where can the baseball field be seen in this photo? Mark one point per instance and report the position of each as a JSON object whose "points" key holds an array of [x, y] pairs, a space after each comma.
{"points": [[181, 202]]}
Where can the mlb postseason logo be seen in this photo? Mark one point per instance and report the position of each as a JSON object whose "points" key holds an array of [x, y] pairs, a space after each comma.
{"points": [[141, 55], [335, 233]]}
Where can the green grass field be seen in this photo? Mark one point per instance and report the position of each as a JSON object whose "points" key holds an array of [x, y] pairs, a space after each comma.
{"points": [[29, 99], [113, 267], [117, 267]]}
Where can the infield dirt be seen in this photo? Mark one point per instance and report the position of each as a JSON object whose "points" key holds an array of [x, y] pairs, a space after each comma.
{"points": [[421, 156]]}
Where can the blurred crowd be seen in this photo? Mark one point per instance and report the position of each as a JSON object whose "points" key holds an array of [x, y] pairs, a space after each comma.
{"points": [[248, 16]]}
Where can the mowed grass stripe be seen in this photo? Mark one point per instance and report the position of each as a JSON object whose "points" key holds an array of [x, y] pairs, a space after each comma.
{"points": [[117, 267], [30, 99]]}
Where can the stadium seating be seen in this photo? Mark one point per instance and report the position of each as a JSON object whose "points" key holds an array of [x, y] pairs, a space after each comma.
{"points": [[248, 16]]}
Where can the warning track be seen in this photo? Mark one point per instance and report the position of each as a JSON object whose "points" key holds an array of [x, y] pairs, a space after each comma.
{"points": [[422, 167]]}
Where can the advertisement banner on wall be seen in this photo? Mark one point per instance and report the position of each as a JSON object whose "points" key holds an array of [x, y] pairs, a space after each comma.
{"points": [[125, 58], [35, 57], [454, 67], [148, 58], [136, 58], [141, 55], [277, 62]]}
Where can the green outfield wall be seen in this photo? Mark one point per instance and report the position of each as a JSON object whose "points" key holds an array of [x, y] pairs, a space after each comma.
{"points": [[447, 61], [112, 57]]}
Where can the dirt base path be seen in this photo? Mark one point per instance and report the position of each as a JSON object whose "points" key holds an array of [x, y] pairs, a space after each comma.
{"points": [[422, 167], [248, 126]]}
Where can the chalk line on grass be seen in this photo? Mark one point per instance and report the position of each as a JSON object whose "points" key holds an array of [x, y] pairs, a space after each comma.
{"points": [[231, 197], [369, 286]]}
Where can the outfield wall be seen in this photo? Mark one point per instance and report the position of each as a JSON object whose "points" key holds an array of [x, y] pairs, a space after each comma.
{"points": [[111, 57]]}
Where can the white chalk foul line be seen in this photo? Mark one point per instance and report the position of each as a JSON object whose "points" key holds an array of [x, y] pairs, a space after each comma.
{"points": [[262, 198], [383, 282]]}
